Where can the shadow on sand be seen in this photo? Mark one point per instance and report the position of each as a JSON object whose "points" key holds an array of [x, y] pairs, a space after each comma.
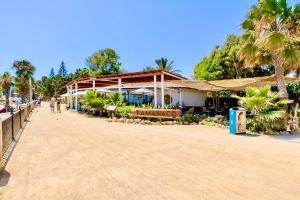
{"points": [[289, 138], [4, 178]]}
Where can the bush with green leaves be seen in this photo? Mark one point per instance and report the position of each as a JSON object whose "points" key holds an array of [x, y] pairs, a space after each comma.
{"points": [[124, 111], [115, 99], [94, 101], [189, 118], [266, 108], [216, 120], [97, 102]]}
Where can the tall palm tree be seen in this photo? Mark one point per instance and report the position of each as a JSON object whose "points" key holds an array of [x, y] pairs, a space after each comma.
{"points": [[24, 67], [22, 86], [271, 37], [24, 71], [164, 64], [6, 81]]}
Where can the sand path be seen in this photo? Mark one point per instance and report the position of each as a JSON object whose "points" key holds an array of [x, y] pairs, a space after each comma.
{"points": [[74, 156]]}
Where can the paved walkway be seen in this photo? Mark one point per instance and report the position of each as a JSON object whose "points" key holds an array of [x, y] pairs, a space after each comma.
{"points": [[73, 156]]}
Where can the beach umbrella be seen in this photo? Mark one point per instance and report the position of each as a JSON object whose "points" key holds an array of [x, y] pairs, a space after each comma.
{"points": [[143, 91], [80, 93], [64, 95], [104, 90]]}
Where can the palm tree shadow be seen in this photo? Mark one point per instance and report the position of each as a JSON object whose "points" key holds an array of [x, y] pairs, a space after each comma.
{"points": [[4, 178]]}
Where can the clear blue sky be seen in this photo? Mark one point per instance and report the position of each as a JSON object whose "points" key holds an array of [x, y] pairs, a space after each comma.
{"points": [[47, 32]]}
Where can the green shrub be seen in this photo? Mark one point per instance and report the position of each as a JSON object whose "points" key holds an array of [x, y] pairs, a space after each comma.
{"points": [[217, 120], [266, 108], [191, 118], [124, 111]]}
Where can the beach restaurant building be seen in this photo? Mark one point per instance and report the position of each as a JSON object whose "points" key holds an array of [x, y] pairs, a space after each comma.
{"points": [[161, 88], [155, 87]]}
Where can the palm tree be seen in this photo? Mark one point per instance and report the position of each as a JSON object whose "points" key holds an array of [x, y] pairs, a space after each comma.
{"points": [[164, 64], [24, 71], [6, 81], [24, 67], [22, 86], [266, 107], [271, 37]]}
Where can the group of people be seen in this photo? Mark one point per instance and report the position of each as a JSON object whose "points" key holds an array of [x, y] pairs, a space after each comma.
{"points": [[52, 106]]}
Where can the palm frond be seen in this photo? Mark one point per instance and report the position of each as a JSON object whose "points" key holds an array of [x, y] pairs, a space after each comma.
{"points": [[275, 41], [271, 115]]}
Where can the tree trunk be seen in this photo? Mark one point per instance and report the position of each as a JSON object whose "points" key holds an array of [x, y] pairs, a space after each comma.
{"points": [[7, 99], [279, 74]]}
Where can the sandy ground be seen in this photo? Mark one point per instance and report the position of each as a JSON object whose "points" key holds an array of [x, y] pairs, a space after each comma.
{"points": [[74, 156]]}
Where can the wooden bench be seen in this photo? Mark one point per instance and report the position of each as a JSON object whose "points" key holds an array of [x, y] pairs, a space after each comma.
{"points": [[157, 113]]}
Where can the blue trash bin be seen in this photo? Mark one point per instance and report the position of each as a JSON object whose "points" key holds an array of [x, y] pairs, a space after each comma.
{"points": [[237, 120], [78, 107]]}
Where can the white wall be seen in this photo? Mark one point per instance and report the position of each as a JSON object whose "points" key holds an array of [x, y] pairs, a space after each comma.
{"points": [[189, 97]]}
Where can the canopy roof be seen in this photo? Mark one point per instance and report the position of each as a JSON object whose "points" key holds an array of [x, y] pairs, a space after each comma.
{"points": [[232, 84], [243, 83], [198, 85], [134, 77]]}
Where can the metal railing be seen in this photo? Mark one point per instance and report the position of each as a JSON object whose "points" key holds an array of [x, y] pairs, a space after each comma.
{"points": [[11, 125]]}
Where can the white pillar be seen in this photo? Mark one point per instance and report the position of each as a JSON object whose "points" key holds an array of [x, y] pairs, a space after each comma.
{"points": [[180, 97], [30, 90], [170, 97], [71, 97], [94, 84], [162, 90], [76, 96], [68, 92], [155, 91], [119, 86]]}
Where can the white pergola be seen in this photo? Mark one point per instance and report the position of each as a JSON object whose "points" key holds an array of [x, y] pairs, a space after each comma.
{"points": [[156, 77]]}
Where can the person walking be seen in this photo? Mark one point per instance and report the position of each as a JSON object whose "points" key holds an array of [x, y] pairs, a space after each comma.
{"points": [[52, 106], [58, 107]]}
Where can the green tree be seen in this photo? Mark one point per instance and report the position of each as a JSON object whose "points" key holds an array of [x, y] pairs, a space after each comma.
{"points": [[271, 37], [164, 64], [6, 81], [266, 107], [22, 86], [224, 63], [82, 73], [24, 68], [209, 68], [105, 61], [51, 87], [148, 68], [62, 71], [24, 71], [52, 73]]}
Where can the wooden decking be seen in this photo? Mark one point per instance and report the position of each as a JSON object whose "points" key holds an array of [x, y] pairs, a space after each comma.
{"points": [[73, 156]]}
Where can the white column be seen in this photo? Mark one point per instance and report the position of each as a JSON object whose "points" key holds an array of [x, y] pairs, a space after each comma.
{"points": [[68, 97], [155, 91], [120, 85], [94, 84], [71, 97], [170, 96], [30, 90], [76, 96], [162, 90], [180, 97]]}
